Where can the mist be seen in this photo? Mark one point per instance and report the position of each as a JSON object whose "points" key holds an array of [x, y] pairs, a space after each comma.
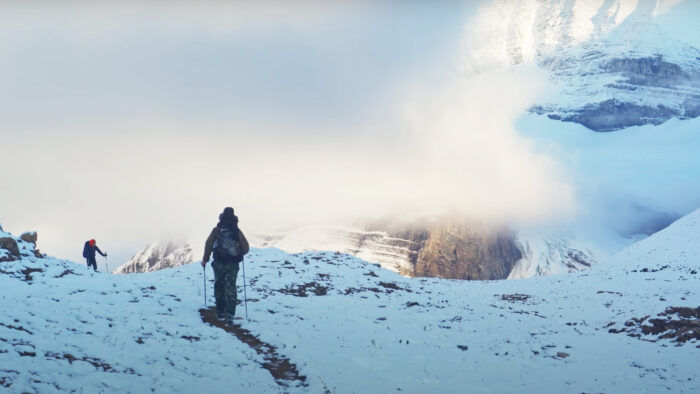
{"points": [[450, 148], [290, 123]]}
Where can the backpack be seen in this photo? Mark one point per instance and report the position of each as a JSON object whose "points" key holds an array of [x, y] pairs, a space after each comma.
{"points": [[227, 244], [86, 249]]}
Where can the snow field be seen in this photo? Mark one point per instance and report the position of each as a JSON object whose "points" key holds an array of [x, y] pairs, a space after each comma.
{"points": [[350, 327]]}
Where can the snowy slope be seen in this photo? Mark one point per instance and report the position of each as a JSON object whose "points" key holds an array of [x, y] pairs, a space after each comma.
{"points": [[542, 254], [349, 326], [613, 64], [375, 246], [158, 256], [549, 255]]}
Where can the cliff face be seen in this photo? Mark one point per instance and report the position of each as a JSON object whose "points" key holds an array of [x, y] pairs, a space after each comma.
{"points": [[430, 249], [461, 251]]}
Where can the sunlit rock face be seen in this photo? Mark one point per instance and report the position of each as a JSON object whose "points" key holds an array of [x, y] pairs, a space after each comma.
{"points": [[460, 251], [436, 249]]}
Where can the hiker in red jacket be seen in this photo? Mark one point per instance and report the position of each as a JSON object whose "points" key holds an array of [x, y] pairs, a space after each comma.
{"points": [[89, 253]]}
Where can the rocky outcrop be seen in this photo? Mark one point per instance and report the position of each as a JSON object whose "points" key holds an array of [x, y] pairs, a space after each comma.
{"points": [[9, 245], [461, 251], [415, 248], [29, 236], [448, 249], [15, 248], [646, 91], [636, 74], [612, 115], [647, 71]]}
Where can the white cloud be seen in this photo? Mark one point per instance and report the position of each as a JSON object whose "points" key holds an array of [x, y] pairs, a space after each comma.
{"points": [[444, 147]]}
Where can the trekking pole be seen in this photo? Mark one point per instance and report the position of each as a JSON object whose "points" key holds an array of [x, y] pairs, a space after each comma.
{"points": [[204, 273], [245, 295], [106, 265]]}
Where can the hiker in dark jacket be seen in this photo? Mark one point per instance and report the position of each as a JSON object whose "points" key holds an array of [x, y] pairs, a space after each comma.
{"points": [[228, 244], [89, 253]]}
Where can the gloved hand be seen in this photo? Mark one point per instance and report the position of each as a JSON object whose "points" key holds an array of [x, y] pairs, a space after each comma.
{"points": [[204, 263]]}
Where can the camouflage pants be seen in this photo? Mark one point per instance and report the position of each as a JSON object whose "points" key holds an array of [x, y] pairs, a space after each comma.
{"points": [[225, 287]]}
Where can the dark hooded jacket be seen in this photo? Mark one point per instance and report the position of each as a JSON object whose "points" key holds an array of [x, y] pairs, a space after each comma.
{"points": [[89, 251], [230, 221]]}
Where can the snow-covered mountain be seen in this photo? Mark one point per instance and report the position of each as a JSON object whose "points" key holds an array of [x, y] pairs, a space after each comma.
{"points": [[614, 64], [318, 321], [158, 256], [390, 252], [456, 252], [438, 249], [545, 255]]}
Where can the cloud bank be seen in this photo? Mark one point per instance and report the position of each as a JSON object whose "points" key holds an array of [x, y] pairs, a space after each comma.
{"points": [[433, 141]]}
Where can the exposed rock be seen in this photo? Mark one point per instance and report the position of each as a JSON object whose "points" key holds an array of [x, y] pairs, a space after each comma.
{"points": [[611, 115], [462, 251], [29, 236], [678, 324], [10, 245], [649, 71], [636, 79], [413, 248]]}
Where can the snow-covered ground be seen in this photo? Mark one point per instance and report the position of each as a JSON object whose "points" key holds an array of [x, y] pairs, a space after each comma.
{"points": [[349, 326], [377, 246]]}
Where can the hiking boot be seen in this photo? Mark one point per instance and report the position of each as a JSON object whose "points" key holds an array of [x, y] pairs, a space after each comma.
{"points": [[220, 316]]}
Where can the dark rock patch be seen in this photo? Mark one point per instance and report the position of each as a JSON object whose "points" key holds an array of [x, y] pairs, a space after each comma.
{"points": [[18, 328], [653, 269], [95, 362], [392, 286], [305, 289], [515, 297], [65, 273], [679, 324], [27, 272], [10, 245], [29, 236]]}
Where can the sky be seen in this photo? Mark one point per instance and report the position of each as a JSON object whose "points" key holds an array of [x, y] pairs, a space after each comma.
{"points": [[133, 123], [129, 123]]}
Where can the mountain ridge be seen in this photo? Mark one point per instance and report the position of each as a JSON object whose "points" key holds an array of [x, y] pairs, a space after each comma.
{"points": [[612, 65]]}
